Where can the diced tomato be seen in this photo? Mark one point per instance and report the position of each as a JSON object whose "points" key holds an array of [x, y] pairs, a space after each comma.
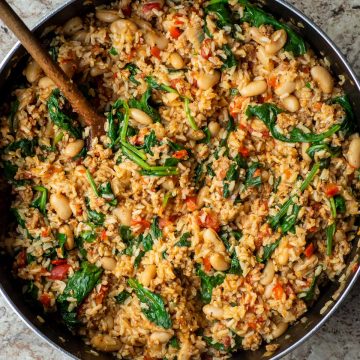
{"points": [[236, 105], [331, 190], [180, 154], [178, 22], [243, 151], [257, 172], [207, 264], [317, 106], [211, 221], [21, 259], [45, 299], [142, 222], [151, 6], [265, 134], [175, 32], [59, 272], [127, 11], [272, 81], [59, 261], [206, 49], [252, 325], [226, 341], [309, 250], [45, 232], [155, 51], [313, 229], [278, 291], [103, 235], [115, 75], [191, 203], [99, 298], [163, 222], [287, 173], [355, 268]]}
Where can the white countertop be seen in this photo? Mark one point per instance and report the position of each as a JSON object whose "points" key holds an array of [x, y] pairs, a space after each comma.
{"points": [[338, 339]]}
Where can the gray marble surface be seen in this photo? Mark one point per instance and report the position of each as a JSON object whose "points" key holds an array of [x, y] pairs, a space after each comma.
{"points": [[339, 338]]}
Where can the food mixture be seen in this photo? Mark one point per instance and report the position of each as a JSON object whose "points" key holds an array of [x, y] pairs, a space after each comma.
{"points": [[223, 193]]}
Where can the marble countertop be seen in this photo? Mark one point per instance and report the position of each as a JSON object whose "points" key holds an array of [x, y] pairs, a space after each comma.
{"points": [[338, 339]]}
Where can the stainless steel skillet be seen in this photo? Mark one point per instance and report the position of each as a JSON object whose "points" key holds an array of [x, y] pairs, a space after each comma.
{"points": [[55, 333]]}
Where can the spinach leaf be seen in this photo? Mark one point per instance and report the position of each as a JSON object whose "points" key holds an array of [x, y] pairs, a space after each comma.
{"points": [[207, 138], [10, 171], [150, 141], [26, 146], [222, 11], [268, 250], [122, 297], [348, 125], [190, 118], [267, 113], [289, 221], [184, 240], [114, 52], [18, 217], [126, 234], [13, 110], [54, 53], [235, 267], [155, 231], [80, 284], [95, 217], [230, 126], [133, 69], [231, 175], [257, 17], [144, 105], [250, 180], [330, 232], [158, 86], [40, 201], [174, 342], [80, 245], [106, 193], [217, 346], [309, 294], [59, 118], [88, 235], [208, 283], [332, 150], [229, 60], [61, 238], [155, 310], [340, 204]]}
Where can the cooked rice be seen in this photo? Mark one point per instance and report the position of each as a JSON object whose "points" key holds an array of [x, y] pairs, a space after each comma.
{"points": [[251, 305]]}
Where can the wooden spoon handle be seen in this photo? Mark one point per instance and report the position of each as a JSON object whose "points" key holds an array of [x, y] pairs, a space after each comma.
{"points": [[77, 100]]}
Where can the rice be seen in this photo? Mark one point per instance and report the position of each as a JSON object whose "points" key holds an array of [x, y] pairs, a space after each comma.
{"points": [[201, 229]]}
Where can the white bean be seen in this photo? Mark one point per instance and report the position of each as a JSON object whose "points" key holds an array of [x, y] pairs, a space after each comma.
{"points": [[291, 103], [212, 311], [283, 256], [72, 26], [140, 117], [354, 153], [214, 128], [176, 60], [323, 78], [108, 263], [254, 88], [161, 337], [219, 262], [279, 330], [264, 58], [278, 41], [211, 237], [104, 342], [148, 274], [32, 71], [66, 230], [69, 68], [206, 81], [268, 273], [80, 36], [286, 87], [61, 205], [106, 15], [154, 39], [124, 214], [256, 35], [73, 148], [119, 26], [46, 83]]}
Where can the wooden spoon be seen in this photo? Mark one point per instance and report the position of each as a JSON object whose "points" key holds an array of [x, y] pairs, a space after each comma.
{"points": [[77, 100]]}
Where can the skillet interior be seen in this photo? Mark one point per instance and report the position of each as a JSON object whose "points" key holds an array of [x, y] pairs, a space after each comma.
{"points": [[56, 333]]}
